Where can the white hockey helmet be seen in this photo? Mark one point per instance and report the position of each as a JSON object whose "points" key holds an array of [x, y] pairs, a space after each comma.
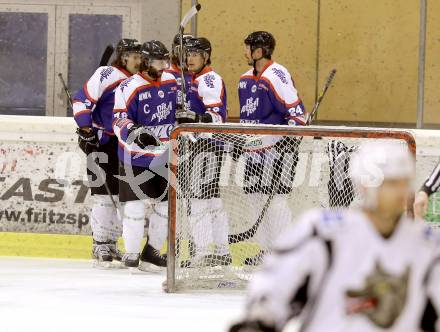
{"points": [[377, 161]]}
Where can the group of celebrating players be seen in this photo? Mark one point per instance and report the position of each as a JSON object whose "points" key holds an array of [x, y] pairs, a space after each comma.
{"points": [[126, 111], [370, 269]]}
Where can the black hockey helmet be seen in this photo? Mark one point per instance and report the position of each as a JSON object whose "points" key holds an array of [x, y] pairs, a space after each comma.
{"points": [[263, 40], [128, 45], [175, 47], [155, 50], [185, 38], [200, 45]]}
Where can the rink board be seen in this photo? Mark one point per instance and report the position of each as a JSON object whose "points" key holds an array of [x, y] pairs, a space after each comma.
{"points": [[44, 198]]}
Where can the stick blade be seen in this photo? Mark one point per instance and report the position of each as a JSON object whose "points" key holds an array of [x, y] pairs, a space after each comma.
{"points": [[189, 15], [108, 52]]}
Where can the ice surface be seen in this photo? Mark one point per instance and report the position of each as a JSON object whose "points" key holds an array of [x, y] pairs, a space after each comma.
{"points": [[70, 295]]}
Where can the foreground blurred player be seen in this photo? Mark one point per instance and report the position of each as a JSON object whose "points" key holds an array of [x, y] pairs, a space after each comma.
{"points": [[268, 96], [207, 104], [430, 186], [145, 108], [93, 112], [371, 269]]}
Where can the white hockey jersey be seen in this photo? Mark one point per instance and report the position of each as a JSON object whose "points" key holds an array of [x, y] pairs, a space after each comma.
{"points": [[337, 273]]}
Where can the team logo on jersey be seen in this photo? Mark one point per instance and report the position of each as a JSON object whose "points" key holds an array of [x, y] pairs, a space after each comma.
{"points": [[254, 88], [250, 107], [280, 74], [242, 85], [209, 80], [161, 94], [145, 95], [382, 299], [162, 111], [105, 73], [124, 84]]}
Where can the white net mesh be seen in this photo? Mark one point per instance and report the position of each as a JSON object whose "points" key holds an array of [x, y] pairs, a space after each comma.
{"points": [[236, 192]]}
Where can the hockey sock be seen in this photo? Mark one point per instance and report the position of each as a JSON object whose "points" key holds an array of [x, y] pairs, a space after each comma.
{"points": [[201, 225], [279, 217], [133, 225], [157, 230], [220, 227], [102, 215]]}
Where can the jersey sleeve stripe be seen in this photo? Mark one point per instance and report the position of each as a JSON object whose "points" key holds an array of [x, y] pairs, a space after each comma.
{"points": [[127, 148], [88, 95], [214, 105], [277, 96], [133, 94], [114, 85], [300, 121], [81, 112], [168, 82], [120, 110]]}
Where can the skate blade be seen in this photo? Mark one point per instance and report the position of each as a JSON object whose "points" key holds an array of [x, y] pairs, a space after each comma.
{"points": [[133, 270], [102, 265], [118, 265], [150, 268]]}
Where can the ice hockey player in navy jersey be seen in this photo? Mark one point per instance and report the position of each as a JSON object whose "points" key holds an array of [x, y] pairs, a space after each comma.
{"points": [[207, 103], [266, 91], [144, 111], [366, 269], [267, 95], [93, 112]]}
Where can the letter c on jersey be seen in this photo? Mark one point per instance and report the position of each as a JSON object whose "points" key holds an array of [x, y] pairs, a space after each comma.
{"points": [[146, 109]]}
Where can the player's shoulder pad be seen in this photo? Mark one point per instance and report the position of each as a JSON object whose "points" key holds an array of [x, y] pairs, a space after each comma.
{"points": [[129, 86], [277, 75], [107, 75], [316, 223], [168, 77], [210, 80], [249, 73]]}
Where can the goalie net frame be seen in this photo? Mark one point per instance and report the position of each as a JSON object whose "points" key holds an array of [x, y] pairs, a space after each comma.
{"points": [[247, 129]]}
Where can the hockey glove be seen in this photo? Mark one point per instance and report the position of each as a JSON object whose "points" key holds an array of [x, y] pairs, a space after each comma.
{"points": [[192, 117], [87, 140], [185, 115], [142, 136]]}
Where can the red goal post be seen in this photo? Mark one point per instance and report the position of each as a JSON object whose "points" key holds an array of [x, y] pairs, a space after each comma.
{"points": [[189, 132]]}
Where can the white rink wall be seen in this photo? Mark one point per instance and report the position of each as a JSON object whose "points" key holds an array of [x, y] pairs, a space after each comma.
{"points": [[42, 174]]}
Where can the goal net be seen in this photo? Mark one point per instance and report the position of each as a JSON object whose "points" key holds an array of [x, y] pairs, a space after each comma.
{"points": [[235, 188]]}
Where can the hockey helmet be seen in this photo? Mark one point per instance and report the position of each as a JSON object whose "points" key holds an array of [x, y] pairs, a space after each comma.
{"points": [[128, 45], [176, 40], [155, 50], [375, 162], [198, 45], [263, 40]]}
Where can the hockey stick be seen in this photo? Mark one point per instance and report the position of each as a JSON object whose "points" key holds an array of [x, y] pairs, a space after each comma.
{"points": [[108, 52], [70, 105], [234, 238], [67, 92], [188, 16], [246, 235], [328, 82]]}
